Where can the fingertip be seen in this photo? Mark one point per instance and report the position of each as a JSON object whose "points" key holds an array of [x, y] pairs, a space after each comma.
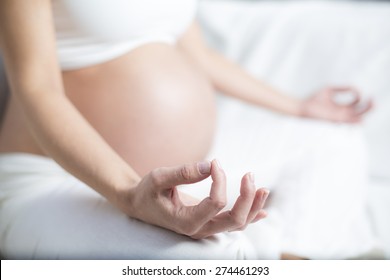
{"points": [[216, 170], [216, 163], [264, 190], [261, 215], [214, 166], [251, 177], [266, 193], [370, 104], [247, 185], [218, 187], [248, 178], [204, 167], [258, 200]]}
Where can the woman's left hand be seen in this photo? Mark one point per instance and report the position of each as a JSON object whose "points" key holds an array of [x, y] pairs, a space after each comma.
{"points": [[323, 105]]}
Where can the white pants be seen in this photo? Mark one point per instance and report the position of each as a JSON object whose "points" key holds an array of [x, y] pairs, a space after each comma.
{"points": [[48, 214], [316, 172]]}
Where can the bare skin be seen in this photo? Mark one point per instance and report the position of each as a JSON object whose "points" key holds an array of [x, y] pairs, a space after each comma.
{"points": [[149, 112], [116, 124], [133, 100], [50, 122]]}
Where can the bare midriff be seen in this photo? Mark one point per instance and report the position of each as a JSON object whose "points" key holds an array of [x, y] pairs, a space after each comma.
{"points": [[151, 105]]}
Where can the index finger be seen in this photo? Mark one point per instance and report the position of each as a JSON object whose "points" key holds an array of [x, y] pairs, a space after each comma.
{"points": [[209, 207]]}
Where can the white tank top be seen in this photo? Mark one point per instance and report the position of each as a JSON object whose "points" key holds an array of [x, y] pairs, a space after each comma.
{"points": [[90, 32]]}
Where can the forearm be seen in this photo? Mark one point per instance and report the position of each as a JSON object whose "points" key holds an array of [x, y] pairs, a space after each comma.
{"points": [[27, 41], [230, 79], [68, 138], [233, 81]]}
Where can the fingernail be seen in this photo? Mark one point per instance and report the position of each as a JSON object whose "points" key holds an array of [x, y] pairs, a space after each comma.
{"points": [[218, 164], [252, 177], [204, 167]]}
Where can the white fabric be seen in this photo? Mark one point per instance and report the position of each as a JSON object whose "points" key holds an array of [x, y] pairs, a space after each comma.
{"points": [[90, 32], [301, 46], [317, 174], [47, 214], [316, 171]]}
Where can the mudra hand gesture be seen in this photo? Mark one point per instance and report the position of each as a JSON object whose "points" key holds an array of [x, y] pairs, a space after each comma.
{"points": [[156, 200], [323, 105]]}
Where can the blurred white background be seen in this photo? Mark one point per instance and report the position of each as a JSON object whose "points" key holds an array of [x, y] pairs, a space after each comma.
{"points": [[301, 46]]}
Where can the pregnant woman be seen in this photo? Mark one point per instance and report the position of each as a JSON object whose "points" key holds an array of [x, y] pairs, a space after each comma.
{"points": [[111, 108]]}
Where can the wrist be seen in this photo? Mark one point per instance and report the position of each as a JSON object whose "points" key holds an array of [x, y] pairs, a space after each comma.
{"points": [[298, 108], [123, 190]]}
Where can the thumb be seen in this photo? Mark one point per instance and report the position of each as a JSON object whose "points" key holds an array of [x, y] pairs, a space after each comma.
{"points": [[167, 177]]}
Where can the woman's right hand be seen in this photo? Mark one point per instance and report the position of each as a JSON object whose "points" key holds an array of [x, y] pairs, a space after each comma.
{"points": [[156, 200]]}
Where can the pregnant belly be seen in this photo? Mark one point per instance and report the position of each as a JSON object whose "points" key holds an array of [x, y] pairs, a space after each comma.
{"points": [[151, 105]]}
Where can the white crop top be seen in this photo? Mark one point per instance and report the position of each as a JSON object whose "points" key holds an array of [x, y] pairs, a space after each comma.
{"points": [[90, 32]]}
